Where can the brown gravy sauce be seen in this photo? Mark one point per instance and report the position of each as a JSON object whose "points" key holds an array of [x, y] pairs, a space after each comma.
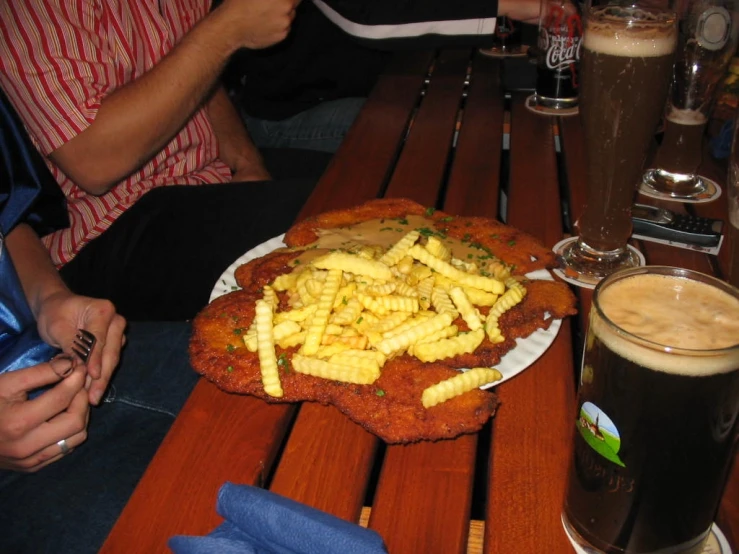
{"points": [[385, 233]]}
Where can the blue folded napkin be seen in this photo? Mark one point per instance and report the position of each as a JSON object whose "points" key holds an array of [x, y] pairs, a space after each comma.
{"points": [[262, 522]]}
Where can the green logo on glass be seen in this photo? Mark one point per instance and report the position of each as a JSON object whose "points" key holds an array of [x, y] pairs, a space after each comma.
{"points": [[599, 432]]}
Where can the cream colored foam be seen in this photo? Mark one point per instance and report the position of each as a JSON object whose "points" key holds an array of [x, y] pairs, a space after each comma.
{"points": [[609, 34], [674, 312], [687, 117]]}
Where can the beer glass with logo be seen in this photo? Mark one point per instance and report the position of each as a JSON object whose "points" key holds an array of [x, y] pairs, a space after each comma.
{"points": [[626, 67], [657, 412], [708, 33], [558, 55]]}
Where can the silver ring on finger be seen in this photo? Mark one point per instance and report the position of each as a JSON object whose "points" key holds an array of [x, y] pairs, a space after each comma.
{"points": [[64, 447]]}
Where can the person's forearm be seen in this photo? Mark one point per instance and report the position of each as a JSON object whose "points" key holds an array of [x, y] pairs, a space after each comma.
{"points": [[137, 120], [36, 272], [234, 144]]}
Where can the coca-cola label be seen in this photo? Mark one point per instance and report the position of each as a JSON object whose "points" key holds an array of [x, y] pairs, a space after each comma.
{"points": [[561, 50]]}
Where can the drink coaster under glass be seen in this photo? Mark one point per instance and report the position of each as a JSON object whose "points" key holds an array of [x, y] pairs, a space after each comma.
{"points": [[532, 106], [581, 280], [716, 544], [518, 52], [711, 193]]}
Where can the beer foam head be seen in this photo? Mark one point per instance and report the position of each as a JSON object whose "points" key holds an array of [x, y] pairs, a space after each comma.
{"points": [[629, 32], [692, 328], [686, 117]]}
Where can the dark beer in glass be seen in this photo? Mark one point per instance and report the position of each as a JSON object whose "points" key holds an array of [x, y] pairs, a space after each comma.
{"points": [[707, 40], [657, 415], [626, 69], [507, 37]]}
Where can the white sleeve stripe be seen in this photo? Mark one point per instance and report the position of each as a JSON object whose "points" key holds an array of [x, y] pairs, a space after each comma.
{"points": [[458, 27]]}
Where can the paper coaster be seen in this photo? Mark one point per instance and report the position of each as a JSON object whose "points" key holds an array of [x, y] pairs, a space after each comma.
{"points": [[712, 192], [585, 281], [532, 106], [519, 52], [716, 544]]}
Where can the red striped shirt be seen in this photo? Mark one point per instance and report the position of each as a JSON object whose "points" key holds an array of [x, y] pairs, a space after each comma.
{"points": [[58, 61]]}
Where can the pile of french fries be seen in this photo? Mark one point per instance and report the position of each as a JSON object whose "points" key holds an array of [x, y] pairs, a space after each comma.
{"points": [[352, 310]]}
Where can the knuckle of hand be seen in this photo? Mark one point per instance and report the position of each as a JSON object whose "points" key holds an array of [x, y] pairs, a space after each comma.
{"points": [[13, 430]]}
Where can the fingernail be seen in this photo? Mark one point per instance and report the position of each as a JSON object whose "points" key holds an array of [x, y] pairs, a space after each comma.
{"points": [[95, 397], [63, 365]]}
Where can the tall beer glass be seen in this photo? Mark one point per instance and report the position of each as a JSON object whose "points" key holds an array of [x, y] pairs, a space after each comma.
{"points": [[657, 412], [708, 33], [625, 68]]}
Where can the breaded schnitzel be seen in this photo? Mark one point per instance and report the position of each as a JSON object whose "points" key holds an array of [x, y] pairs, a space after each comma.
{"points": [[390, 407]]}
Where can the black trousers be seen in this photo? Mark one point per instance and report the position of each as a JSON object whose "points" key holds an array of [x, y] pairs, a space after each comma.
{"points": [[162, 257]]}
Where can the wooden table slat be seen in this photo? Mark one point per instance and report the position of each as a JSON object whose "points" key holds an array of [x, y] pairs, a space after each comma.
{"points": [[474, 181], [248, 438], [537, 406], [427, 488], [534, 187], [326, 447], [530, 455], [420, 169]]}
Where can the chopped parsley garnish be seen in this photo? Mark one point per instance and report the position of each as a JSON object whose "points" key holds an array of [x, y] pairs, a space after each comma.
{"points": [[230, 348], [230, 369], [403, 221], [283, 362], [238, 331], [386, 229], [447, 218], [380, 392], [511, 243], [430, 211], [466, 237], [360, 320], [344, 300]]}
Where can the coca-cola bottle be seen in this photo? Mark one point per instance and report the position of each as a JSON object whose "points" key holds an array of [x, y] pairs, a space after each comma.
{"points": [[558, 55]]}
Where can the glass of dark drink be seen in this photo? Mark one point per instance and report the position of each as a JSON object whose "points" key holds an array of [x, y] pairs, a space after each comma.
{"points": [[507, 37], [657, 412], [707, 39], [558, 55], [626, 67]]}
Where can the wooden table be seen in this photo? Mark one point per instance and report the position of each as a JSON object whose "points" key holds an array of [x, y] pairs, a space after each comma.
{"points": [[432, 130]]}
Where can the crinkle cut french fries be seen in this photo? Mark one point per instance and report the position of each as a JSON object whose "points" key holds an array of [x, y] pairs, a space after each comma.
{"points": [[351, 311]]}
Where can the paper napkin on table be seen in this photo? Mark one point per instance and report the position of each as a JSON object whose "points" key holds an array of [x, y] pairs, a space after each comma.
{"points": [[262, 522]]}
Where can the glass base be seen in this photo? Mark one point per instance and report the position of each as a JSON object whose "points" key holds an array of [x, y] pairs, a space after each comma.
{"points": [[555, 103], [587, 265], [675, 185], [707, 543]]}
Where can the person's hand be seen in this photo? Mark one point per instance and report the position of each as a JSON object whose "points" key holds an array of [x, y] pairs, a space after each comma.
{"points": [[61, 316], [31, 430], [526, 11], [259, 23]]}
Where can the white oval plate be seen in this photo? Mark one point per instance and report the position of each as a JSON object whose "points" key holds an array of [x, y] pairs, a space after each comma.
{"points": [[525, 353]]}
